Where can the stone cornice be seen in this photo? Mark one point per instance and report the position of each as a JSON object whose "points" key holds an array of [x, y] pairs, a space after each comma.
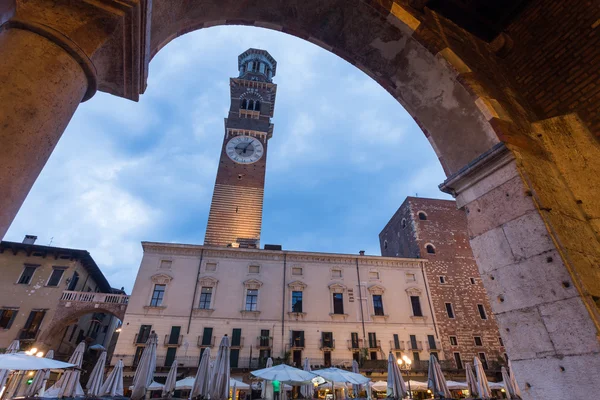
{"points": [[274, 255]]}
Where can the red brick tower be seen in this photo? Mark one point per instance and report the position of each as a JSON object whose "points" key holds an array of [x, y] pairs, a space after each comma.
{"points": [[437, 231], [236, 210]]}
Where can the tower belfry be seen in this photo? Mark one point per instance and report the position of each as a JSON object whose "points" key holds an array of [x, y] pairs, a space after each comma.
{"points": [[235, 216]]}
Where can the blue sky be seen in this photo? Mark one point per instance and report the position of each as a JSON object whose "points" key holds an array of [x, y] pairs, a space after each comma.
{"points": [[343, 156]]}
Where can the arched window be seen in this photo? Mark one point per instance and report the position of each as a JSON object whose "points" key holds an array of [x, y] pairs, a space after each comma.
{"points": [[422, 216], [244, 104], [403, 223], [430, 249], [251, 105], [254, 66], [257, 105], [385, 244]]}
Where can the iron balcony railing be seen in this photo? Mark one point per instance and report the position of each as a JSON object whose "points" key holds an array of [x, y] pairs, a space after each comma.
{"points": [[237, 345], [141, 339], [435, 345], [264, 342], [171, 340], [354, 344], [415, 346], [327, 344], [396, 346], [374, 344], [206, 341], [297, 343]]}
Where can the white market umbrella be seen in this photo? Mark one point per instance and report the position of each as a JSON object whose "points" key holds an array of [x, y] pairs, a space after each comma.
{"points": [[238, 384], [471, 381], [219, 386], [38, 385], [12, 348], [263, 393], [200, 386], [395, 383], [379, 386], [113, 385], [144, 374], [285, 373], [435, 379], [185, 383], [170, 381], [341, 375], [417, 385], [513, 380], [483, 388], [454, 385], [68, 385], [96, 378], [356, 388], [25, 362], [97, 346], [308, 390]]}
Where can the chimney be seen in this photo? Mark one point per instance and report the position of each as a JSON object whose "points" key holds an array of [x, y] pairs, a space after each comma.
{"points": [[362, 252], [29, 239]]}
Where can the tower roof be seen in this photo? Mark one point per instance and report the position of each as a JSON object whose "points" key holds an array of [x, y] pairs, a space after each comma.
{"points": [[264, 53]]}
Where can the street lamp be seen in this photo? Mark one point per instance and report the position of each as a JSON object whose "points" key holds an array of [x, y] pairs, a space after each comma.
{"points": [[404, 364]]}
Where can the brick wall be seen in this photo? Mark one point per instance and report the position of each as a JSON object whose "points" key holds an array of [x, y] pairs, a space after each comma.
{"points": [[446, 229]]}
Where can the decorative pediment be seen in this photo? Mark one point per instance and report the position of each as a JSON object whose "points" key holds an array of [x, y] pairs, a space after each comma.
{"points": [[297, 286], [208, 281], [161, 279], [252, 284], [376, 289], [337, 288], [413, 291]]}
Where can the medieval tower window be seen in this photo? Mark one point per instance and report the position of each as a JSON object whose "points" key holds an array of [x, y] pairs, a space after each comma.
{"points": [[430, 249], [422, 216]]}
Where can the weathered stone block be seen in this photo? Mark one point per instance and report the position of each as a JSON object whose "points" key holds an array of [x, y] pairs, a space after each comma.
{"points": [[526, 336], [492, 250], [528, 236]]}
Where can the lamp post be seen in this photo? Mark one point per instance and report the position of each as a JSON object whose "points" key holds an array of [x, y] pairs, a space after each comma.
{"points": [[404, 364]]}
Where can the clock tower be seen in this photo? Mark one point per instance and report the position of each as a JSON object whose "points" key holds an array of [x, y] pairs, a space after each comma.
{"points": [[235, 217]]}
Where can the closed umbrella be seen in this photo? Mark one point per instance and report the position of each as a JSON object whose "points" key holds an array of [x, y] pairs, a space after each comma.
{"points": [[471, 381], [144, 374], [233, 396], [171, 380], [12, 348], [356, 388], [68, 385], [508, 385], [202, 379], [219, 386], [483, 388], [435, 379], [307, 390], [263, 393], [513, 380], [285, 373], [96, 378], [113, 385], [395, 383], [39, 380]]}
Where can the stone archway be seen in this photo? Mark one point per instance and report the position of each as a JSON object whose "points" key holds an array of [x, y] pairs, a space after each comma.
{"points": [[532, 219]]}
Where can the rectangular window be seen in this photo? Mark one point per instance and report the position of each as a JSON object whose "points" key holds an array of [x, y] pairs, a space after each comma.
{"points": [[338, 303], [207, 336], [32, 325], [453, 341], [211, 267], [138, 354], [174, 336], [478, 341], [431, 342], [449, 310], [483, 360], [251, 299], [378, 304], [327, 339], [411, 277], [205, 297], [416, 356], [373, 340], [501, 341], [458, 361], [234, 358], [354, 340], [442, 279], [435, 354], [143, 334], [297, 339], [254, 269], [26, 275], [396, 342], [297, 271], [57, 273], [166, 264], [297, 301], [170, 357], [7, 317], [373, 275], [236, 337], [264, 338], [472, 280], [327, 359], [416, 306], [413, 342], [482, 313], [157, 295], [336, 273]]}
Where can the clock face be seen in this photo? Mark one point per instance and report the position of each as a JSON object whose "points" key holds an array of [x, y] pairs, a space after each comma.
{"points": [[244, 149]]}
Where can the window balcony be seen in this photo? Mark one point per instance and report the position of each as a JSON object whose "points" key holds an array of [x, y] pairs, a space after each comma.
{"points": [[396, 346], [297, 343], [354, 344], [435, 346], [374, 344], [173, 341], [206, 341], [327, 344], [264, 342], [237, 345], [415, 346], [27, 335], [140, 339]]}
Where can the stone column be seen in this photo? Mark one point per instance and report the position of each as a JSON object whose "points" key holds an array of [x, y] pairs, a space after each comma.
{"points": [[43, 78], [544, 323]]}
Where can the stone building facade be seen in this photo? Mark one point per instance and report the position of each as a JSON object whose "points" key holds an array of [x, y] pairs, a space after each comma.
{"points": [[331, 308], [37, 281], [436, 230]]}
